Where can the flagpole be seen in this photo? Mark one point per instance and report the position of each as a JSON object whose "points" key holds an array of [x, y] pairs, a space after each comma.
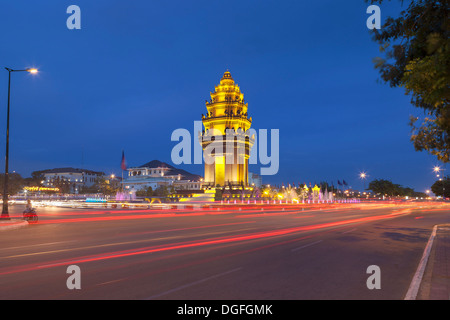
{"points": [[123, 166]]}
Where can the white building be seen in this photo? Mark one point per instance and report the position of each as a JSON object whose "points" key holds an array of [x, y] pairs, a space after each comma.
{"points": [[156, 174], [74, 178], [187, 185]]}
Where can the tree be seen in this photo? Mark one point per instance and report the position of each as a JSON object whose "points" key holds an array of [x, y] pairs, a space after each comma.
{"points": [[105, 187], [35, 180], [219, 194], [148, 192], [15, 183], [416, 48], [383, 187], [442, 187], [89, 189], [386, 187], [161, 191], [326, 186], [61, 184], [37, 176]]}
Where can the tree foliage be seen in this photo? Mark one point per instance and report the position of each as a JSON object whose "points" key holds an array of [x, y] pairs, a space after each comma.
{"points": [[15, 183], [416, 48], [105, 186], [147, 192], [161, 191], [386, 187], [62, 184], [442, 187]]}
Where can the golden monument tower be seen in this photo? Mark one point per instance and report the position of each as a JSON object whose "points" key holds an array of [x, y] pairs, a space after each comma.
{"points": [[226, 123]]}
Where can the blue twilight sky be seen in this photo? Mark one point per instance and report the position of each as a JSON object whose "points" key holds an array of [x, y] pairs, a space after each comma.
{"points": [[137, 70]]}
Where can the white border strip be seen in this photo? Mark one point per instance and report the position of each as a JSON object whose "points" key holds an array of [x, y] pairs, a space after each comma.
{"points": [[306, 245], [192, 284], [417, 279]]}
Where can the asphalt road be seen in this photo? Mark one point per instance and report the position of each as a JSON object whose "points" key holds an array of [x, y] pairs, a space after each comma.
{"points": [[251, 252]]}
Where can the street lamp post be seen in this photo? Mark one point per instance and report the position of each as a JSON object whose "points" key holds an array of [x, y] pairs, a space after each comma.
{"points": [[5, 212], [438, 170]]}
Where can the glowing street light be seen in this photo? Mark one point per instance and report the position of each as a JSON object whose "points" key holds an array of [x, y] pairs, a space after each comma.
{"points": [[5, 213], [437, 170], [363, 177]]}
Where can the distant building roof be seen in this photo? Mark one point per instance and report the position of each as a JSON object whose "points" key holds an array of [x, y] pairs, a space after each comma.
{"points": [[172, 170], [71, 170]]}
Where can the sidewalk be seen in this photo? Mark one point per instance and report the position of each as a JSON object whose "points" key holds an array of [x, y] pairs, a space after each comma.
{"points": [[435, 283], [12, 224]]}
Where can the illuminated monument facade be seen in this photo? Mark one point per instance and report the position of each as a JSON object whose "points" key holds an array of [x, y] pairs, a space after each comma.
{"points": [[224, 137]]}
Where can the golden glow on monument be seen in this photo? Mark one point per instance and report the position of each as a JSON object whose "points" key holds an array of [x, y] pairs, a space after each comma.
{"points": [[227, 113]]}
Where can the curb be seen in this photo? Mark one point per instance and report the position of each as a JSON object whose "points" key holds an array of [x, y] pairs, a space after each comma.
{"points": [[418, 276], [13, 224]]}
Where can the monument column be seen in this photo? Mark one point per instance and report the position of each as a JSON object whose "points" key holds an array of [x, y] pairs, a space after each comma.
{"points": [[227, 110]]}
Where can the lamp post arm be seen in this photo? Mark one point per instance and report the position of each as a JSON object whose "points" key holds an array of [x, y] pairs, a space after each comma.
{"points": [[22, 70]]}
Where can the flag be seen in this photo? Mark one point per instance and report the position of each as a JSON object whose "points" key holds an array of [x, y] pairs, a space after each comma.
{"points": [[339, 183], [123, 164], [345, 183]]}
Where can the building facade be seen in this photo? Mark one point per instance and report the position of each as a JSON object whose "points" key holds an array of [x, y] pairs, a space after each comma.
{"points": [[156, 174], [71, 180]]}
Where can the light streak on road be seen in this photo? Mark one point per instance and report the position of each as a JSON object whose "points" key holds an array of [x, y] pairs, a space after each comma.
{"points": [[201, 243]]}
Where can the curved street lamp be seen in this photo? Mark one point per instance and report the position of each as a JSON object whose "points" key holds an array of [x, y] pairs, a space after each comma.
{"points": [[5, 213]]}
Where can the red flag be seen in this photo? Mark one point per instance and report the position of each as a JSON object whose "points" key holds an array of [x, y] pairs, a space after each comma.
{"points": [[123, 165]]}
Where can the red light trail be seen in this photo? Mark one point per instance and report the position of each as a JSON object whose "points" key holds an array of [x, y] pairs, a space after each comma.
{"points": [[200, 243]]}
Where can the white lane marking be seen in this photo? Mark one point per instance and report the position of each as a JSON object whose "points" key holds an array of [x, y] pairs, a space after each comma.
{"points": [[417, 279], [349, 231], [113, 244], [36, 245], [192, 284], [109, 282], [306, 245]]}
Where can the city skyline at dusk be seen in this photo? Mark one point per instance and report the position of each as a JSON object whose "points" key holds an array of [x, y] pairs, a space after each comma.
{"points": [[225, 160], [100, 89]]}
